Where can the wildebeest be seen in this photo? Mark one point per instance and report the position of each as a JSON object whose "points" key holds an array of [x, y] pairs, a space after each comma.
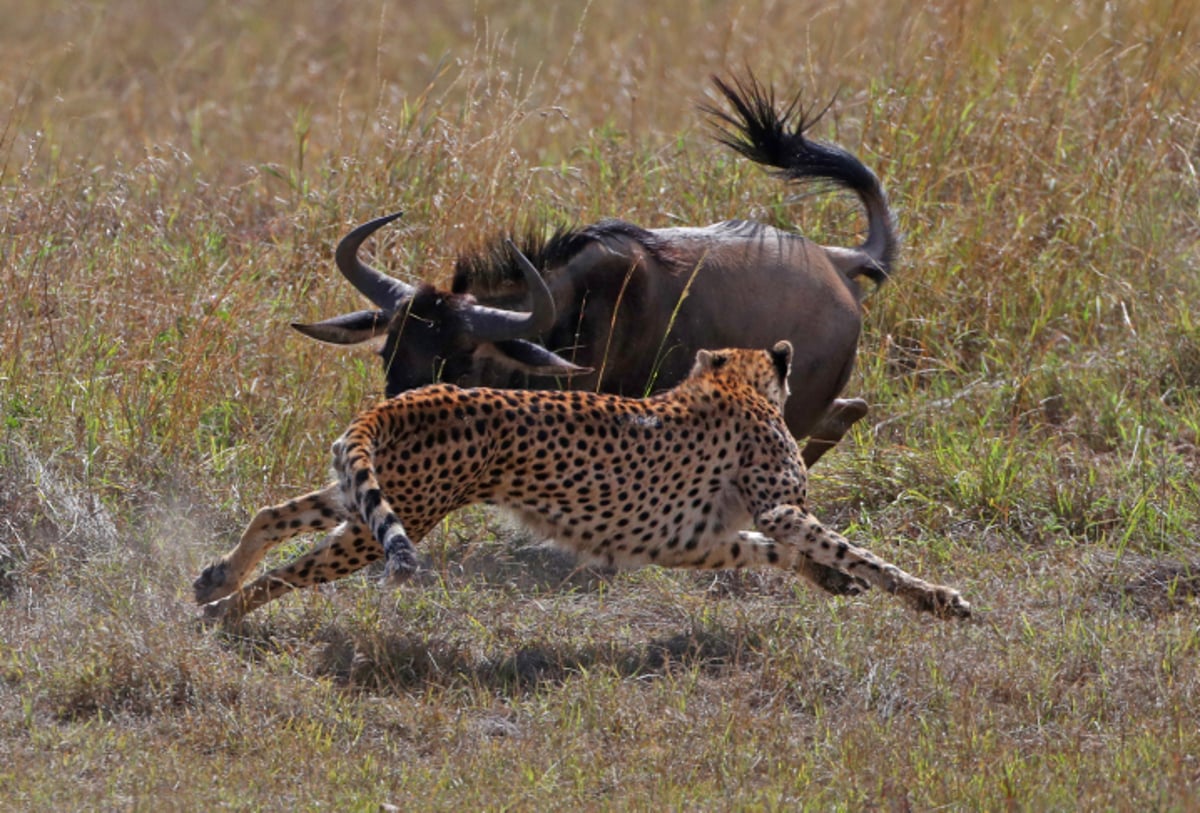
{"points": [[623, 309]]}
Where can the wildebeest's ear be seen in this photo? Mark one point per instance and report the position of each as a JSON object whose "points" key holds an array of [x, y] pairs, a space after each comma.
{"points": [[530, 358], [349, 328]]}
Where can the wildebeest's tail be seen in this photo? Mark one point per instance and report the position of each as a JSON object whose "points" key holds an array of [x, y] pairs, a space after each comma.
{"points": [[775, 138], [353, 461]]}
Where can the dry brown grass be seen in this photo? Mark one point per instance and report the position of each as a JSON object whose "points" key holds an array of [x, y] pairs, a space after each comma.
{"points": [[172, 181]]}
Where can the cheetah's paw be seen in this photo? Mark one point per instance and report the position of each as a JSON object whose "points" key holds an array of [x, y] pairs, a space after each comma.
{"points": [[400, 567]]}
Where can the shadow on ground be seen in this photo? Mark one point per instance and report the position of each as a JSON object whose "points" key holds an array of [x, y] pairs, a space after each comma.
{"points": [[406, 663]]}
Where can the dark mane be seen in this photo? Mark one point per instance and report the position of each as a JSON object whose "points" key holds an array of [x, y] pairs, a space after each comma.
{"points": [[492, 266]]}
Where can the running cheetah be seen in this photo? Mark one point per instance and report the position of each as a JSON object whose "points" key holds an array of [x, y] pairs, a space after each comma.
{"points": [[672, 480]]}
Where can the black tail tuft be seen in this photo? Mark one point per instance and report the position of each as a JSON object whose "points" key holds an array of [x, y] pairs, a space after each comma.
{"points": [[773, 135], [758, 129]]}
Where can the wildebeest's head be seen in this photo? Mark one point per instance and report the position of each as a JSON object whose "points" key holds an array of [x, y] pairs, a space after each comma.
{"points": [[436, 335]]}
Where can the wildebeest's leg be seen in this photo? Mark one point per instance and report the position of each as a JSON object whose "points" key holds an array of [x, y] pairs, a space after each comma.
{"points": [[318, 511], [833, 426], [349, 548], [799, 536]]}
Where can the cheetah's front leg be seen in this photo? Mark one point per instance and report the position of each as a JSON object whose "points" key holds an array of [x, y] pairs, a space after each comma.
{"points": [[794, 527]]}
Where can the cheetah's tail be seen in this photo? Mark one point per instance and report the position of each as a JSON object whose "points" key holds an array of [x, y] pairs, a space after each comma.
{"points": [[353, 456]]}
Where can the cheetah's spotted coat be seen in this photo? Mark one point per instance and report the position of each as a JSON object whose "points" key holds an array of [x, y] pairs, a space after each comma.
{"points": [[672, 480]]}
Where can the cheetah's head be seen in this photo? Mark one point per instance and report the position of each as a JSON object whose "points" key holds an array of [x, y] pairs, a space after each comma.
{"points": [[764, 370]]}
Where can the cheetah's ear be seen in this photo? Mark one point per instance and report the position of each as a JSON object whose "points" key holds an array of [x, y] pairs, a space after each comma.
{"points": [[708, 360], [781, 356]]}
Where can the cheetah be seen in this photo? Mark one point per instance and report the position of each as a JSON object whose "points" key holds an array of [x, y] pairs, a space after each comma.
{"points": [[673, 480]]}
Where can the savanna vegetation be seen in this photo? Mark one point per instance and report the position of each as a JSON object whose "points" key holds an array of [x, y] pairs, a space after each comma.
{"points": [[173, 178]]}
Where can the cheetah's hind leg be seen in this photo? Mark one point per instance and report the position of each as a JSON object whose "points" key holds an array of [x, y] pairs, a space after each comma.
{"points": [[347, 549], [317, 511]]}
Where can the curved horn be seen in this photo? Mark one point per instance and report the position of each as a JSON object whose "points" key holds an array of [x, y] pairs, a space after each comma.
{"points": [[497, 325], [386, 292]]}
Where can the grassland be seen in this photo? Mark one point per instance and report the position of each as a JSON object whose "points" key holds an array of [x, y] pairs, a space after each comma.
{"points": [[173, 178]]}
